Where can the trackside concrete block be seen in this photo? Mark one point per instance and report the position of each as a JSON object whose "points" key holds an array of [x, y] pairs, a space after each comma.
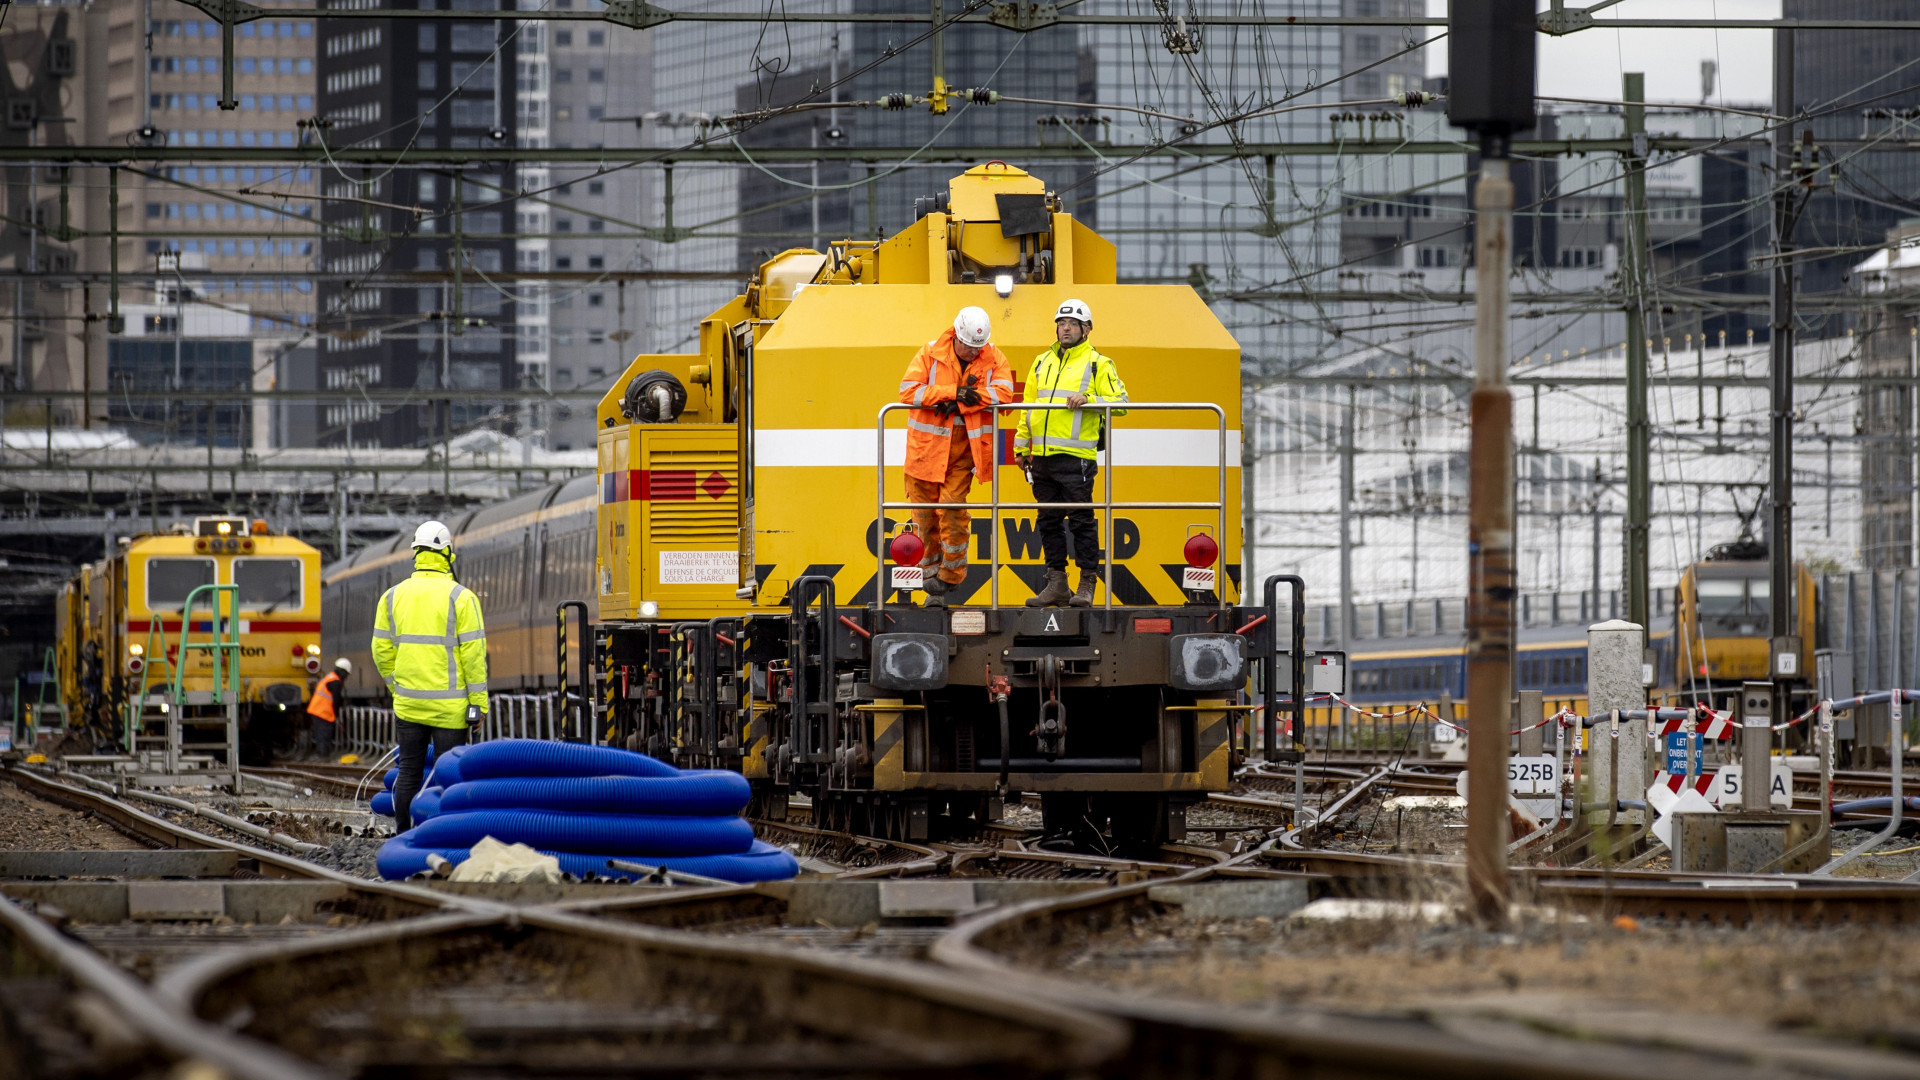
{"points": [[1615, 650]]}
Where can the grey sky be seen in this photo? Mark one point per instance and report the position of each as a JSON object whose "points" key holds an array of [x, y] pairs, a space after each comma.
{"points": [[1588, 64]]}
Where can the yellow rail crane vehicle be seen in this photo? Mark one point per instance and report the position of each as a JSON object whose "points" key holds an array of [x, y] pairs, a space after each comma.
{"points": [[749, 492]]}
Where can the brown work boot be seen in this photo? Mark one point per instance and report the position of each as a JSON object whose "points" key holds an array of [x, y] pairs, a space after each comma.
{"points": [[1055, 593], [1083, 596]]}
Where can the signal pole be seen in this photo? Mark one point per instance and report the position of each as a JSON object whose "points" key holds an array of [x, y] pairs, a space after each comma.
{"points": [[1639, 430], [1785, 651], [1490, 53]]}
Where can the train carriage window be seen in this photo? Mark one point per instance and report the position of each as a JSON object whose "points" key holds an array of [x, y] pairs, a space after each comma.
{"points": [[170, 580], [270, 585]]}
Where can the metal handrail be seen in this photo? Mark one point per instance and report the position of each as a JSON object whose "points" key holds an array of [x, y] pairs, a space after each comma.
{"points": [[1107, 506], [226, 635], [137, 703]]}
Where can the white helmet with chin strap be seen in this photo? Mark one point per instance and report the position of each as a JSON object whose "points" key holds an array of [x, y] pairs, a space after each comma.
{"points": [[972, 327], [1074, 309], [434, 536]]}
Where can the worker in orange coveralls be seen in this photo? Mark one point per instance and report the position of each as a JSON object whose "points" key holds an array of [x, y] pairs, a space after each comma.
{"points": [[953, 383]]}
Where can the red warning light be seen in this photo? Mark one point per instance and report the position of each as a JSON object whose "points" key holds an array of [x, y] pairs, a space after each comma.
{"points": [[906, 549], [1201, 551]]}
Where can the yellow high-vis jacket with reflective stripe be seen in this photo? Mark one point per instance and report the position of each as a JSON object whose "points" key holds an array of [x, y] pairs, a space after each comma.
{"points": [[1056, 374], [430, 645]]}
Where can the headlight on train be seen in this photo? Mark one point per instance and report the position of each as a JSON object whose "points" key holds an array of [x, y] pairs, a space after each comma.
{"points": [[649, 609], [313, 650], [136, 650]]}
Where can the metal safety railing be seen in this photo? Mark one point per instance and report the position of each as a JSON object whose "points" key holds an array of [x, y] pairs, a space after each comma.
{"points": [[520, 716], [370, 729], [1106, 505], [366, 730]]}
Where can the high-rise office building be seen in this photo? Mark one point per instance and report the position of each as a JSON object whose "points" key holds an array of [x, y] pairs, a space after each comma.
{"points": [[598, 86], [427, 84], [1855, 84], [241, 239], [1373, 47]]}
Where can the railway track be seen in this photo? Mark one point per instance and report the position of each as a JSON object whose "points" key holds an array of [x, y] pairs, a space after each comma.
{"points": [[1025, 949], [555, 993], [186, 892], [67, 1011], [243, 932], [807, 976]]}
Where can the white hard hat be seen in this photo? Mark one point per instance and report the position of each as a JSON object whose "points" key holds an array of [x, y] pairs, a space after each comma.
{"points": [[971, 327], [1074, 309], [433, 536], [344, 664]]}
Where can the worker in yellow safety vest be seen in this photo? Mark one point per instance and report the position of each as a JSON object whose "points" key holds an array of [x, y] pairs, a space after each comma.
{"points": [[320, 708], [430, 645], [1057, 449]]}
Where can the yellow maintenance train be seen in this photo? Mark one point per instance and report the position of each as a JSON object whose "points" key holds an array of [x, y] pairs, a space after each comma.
{"points": [[748, 619], [731, 547], [139, 633]]}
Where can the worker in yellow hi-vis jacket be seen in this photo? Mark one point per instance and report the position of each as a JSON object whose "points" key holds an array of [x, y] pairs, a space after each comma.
{"points": [[430, 644]]}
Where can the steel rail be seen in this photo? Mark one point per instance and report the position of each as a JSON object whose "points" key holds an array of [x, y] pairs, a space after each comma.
{"points": [[177, 1035], [909, 860], [341, 786], [1178, 1039], [984, 862], [1291, 836], [876, 1013], [165, 834], [1720, 897]]}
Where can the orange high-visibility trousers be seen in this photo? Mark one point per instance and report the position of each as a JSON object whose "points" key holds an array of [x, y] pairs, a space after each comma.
{"points": [[951, 530]]}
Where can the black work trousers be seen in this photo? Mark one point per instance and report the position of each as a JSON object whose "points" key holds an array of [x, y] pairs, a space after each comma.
{"points": [[413, 739], [1065, 478], [322, 729]]}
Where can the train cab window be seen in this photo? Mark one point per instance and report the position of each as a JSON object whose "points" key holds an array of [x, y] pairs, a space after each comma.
{"points": [[1739, 607], [170, 580], [269, 584], [1722, 596]]}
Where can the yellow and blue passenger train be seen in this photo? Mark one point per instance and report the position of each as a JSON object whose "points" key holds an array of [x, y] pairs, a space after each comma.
{"points": [[1712, 635]]}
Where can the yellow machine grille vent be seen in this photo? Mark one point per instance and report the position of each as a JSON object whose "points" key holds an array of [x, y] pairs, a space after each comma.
{"points": [[692, 496]]}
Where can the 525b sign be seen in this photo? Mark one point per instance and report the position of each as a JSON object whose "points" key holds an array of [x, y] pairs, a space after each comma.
{"points": [[1533, 776]]}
